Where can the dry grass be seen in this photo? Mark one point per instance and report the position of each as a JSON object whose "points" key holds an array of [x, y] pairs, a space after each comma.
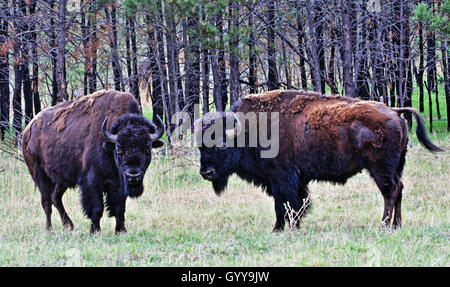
{"points": [[179, 221]]}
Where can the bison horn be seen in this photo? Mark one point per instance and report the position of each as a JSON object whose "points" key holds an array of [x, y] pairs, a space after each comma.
{"points": [[236, 131], [159, 133], [107, 135]]}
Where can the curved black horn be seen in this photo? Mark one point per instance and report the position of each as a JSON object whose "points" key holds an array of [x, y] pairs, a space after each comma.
{"points": [[107, 135], [159, 133]]}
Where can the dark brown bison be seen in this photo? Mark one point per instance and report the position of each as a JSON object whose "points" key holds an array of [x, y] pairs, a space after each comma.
{"points": [[67, 145], [324, 138]]}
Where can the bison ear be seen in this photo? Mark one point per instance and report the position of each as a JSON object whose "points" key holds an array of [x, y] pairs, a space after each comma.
{"points": [[157, 144]]}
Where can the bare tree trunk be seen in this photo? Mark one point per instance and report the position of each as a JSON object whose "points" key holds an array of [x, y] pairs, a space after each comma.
{"points": [[319, 15], [436, 92], [251, 57], [218, 102], [234, 53], [272, 78], [53, 48], [407, 101], [379, 63], [173, 99], [285, 61], [61, 52], [431, 66], [117, 71], [313, 47], [92, 51], [221, 63], [134, 78], [18, 75], [362, 73], [301, 44], [35, 77], [84, 36], [25, 61], [156, 92], [420, 72], [128, 53], [205, 79], [4, 76], [347, 51], [162, 64], [331, 64], [446, 71], [192, 63]]}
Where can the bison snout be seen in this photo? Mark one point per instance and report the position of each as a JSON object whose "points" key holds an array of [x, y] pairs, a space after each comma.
{"points": [[208, 174], [133, 176]]}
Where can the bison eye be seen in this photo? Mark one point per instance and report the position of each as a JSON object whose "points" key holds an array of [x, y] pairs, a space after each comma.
{"points": [[119, 150]]}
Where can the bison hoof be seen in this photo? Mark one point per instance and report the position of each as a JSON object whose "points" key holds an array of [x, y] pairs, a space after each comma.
{"points": [[121, 230], [68, 225], [396, 225], [95, 229], [278, 229]]}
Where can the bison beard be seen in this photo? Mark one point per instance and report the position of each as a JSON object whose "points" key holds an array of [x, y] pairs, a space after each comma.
{"points": [[67, 145], [134, 190], [323, 138], [219, 185]]}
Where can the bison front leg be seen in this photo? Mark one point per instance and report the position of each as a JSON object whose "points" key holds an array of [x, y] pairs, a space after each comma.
{"points": [[92, 200], [96, 212], [280, 212], [279, 208], [120, 217], [288, 203], [116, 207]]}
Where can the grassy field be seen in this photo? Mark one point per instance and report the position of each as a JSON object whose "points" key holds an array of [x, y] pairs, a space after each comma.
{"points": [[179, 221]]}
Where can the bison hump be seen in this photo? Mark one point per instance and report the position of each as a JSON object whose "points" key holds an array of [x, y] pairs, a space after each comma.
{"points": [[91, 104]]}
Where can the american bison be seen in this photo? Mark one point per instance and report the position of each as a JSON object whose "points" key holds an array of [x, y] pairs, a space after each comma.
{"points": [[321, 137], [67, 145]]}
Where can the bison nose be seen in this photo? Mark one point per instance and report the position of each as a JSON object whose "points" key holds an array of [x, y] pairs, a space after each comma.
{"points": [[209, 173], [133, 176]]}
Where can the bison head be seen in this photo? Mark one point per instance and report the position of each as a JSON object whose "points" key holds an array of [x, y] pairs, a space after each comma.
{"points": [[219, 156], [132, 138]]}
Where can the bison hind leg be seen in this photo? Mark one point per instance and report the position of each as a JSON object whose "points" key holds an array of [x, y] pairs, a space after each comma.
{"points": [[46, 187], [398, 207], [391, 188], [57, 195], [398, 203], [46, 203]]}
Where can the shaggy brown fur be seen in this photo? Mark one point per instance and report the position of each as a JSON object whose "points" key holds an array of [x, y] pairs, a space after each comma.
{"points": [[322, 137], [263, 102], [63, 146]]}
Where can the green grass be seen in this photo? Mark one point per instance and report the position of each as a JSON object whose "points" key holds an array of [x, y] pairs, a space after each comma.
{"points": [[439, 125], [179, 221]]}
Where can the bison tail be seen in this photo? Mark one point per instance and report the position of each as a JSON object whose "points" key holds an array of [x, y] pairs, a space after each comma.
{"points": [[420, 130]]}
